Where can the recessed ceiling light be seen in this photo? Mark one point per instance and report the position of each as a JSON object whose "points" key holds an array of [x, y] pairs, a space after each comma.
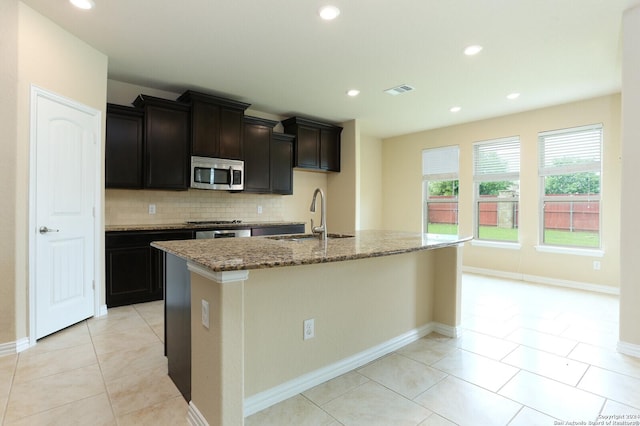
{"points": [[472, 50], [83, 4], [329, 12], [455, 109], [512, 96], [353, 92]]}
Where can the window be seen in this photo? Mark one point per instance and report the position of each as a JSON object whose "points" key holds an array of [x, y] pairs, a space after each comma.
{"points": [[496, 177], [440, 187], [570, 168]]}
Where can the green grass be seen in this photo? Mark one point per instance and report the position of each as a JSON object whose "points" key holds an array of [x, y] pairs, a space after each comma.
{"points": [[494, 233], [442, 228], [551, 237], [575, 238]]}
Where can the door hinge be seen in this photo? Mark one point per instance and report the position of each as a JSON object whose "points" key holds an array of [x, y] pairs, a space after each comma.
{"points": [[93, 284]]}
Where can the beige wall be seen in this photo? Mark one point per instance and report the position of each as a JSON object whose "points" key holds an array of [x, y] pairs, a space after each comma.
{"points": [[8, 152], [52, 59], [370, 205], [402, 188], [342, 188], [630, 248]]}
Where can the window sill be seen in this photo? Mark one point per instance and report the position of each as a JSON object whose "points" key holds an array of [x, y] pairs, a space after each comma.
{"points": [[571, 250], [496, 244]]}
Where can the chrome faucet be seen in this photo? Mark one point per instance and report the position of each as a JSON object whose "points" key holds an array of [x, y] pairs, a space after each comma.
{"points": [[322, 229]]}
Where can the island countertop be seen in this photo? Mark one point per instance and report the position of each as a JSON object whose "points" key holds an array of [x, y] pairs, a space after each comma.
{"points": [[231, 254]]}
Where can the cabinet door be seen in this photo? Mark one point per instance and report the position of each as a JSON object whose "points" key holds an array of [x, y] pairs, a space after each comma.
{"points": [[205, 119], [133, 268], [128, 272], [230, 134], [217, 125], [282, 164], [166, 148], [307, 147], [330, 150], [123, 148], [256, 158]]}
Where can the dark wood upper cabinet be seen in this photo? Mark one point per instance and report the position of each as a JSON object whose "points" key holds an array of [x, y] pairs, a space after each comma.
{"points": [[216, 125], [282, 164], [123, 147], [166, 143], [268, 158], [330, 149], [257, 154], [317, 144]]}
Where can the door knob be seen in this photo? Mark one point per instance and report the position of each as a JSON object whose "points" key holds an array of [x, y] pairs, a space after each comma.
{"points": [[44, 230]]}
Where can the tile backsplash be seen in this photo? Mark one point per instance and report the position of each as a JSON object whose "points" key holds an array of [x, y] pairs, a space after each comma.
{"points": [[131, 207]]}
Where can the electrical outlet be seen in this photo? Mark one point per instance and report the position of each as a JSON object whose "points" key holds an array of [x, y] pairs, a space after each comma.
{"points": [[205, 313], [259, 209], [152, 209], [596, 265], [309, 329]]}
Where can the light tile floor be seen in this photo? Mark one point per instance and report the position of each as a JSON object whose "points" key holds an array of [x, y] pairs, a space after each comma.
{"points": [[529, 355]]}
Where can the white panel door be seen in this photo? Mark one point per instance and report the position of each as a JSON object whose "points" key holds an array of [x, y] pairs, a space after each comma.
{"points": [[65, 178]]}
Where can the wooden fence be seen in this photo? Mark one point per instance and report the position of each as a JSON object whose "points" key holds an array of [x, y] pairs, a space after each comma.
{"points": [[569, 216]]}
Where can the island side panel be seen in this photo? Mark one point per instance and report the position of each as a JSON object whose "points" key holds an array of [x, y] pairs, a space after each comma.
{"points": [[178, 322], [217, 363], [448, 288], [356, 305]]}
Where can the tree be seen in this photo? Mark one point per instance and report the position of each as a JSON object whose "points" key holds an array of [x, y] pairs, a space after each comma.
{"points": [[446, 188], [574, 183], [494, 188]]}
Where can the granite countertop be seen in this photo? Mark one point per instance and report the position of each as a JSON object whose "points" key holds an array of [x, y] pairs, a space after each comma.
{"points": [[232, 254], [185, 225]]}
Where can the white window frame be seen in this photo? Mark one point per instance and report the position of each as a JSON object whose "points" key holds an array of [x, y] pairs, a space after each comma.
{"points": [[485, 174], [442, 163], [544, 171]]}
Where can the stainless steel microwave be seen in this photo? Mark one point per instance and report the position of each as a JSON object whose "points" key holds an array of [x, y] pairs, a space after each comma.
{"points": [[217, 173]]}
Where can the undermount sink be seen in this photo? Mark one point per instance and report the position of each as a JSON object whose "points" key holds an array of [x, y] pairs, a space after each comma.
{"points": [[305, 237]]}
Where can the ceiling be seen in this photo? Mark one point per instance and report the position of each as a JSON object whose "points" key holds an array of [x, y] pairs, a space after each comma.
{"points": [[279, 56]]}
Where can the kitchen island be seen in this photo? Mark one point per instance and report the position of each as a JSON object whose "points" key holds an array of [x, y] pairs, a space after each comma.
{"points": [[367, 295]]}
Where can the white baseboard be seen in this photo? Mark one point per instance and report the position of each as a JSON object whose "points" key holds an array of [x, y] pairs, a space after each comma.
{"points": [[103, 311], [195, 417], [11, 348], [23, 344], [447, 330], [272, 396], [628, 349], [543, 280]]}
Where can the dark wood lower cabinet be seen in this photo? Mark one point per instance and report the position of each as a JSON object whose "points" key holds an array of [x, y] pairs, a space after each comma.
{"points": [[133, 268]]}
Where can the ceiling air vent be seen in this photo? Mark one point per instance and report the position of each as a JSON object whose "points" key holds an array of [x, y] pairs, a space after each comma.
{"points": [[398, 90]]}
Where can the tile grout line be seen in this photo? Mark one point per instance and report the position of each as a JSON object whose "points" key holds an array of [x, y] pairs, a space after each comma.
{"points": [[104, 383], [13, 376]]}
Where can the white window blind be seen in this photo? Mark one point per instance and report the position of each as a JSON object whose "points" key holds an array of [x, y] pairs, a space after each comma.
{"points": [[570, 150], [440, 163], [497, 159]]}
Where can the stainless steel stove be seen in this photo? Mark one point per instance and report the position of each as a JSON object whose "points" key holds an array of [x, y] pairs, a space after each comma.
{"points": [[222, 232]]}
